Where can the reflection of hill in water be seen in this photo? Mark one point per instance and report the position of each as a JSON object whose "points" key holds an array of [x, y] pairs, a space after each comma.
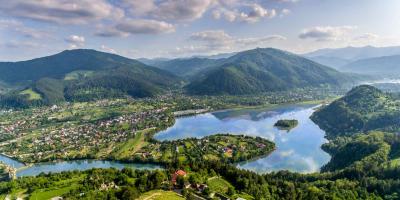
{"points": [[258, 113]]}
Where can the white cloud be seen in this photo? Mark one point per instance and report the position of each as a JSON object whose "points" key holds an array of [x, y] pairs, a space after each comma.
{"points": [[368, 37], [18, 27], [144, 26], [259, 40], [135, 26], [217, 41], [20, 44], [138, 7], [169, 10], [108, 49], [75, 41], [213, 36], [61, 11], [111, 32], [290, 1], [182, 10], [254, 13], [228, 15], [326, 33], [285, 12]]}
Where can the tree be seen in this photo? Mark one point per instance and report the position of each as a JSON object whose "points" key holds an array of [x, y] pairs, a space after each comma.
{"points": [[231, 191], [130, 193]]}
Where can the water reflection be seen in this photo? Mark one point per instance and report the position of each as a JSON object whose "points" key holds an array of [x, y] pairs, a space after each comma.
{"points": [[298, 150], [81, 165]]}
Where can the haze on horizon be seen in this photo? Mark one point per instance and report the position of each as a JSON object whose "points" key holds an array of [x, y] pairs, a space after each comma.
{"points": [[180, 28]]}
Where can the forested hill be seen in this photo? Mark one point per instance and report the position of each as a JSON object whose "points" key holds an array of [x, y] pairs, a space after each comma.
{"points": [[58, 65], [262, 70], [363, 109], [81, 75], [187, 67]]}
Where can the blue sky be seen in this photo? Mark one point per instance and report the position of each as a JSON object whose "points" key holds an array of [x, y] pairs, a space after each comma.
{"points": [[179, 28]]}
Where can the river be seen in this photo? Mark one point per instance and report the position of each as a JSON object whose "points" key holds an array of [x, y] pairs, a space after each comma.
{"points": [[298, 150]]}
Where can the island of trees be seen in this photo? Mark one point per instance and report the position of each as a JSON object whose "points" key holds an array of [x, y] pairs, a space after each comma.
{"points": [[365, 165], [286, 124]]}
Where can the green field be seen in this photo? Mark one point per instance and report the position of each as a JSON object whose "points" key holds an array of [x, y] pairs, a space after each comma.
{"points": [[76, 75], [50, 193], [133, 145], [217, 184], [32, 94], [395, 162], [160, 195]]}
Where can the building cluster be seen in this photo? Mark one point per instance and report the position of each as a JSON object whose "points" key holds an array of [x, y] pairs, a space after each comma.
{"points": [[69, 137]]}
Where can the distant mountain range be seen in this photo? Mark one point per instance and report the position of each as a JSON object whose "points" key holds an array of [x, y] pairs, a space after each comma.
{"points": [[339, 58], [82, 74], [386, 65], [187, 67], [262, 70], [356, 53]]}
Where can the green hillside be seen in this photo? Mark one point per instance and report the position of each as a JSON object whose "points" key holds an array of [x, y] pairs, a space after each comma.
{"points": [[363, 109], [58, 65], [263, 70], [189, 66], [82, 75]]}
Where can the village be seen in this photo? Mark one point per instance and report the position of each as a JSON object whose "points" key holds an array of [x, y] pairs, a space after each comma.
{"points": [[66, 132], [220, 147], [92, 129]]}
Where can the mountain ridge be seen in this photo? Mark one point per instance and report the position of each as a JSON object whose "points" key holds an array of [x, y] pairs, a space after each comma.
{"points": [[261, 70], [385, 65]]}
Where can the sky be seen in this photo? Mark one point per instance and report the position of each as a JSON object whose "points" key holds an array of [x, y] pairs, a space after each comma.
{"points": [[182, 28]]}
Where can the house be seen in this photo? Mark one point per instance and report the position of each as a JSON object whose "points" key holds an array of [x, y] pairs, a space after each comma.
{"points": [[176, 174], [199, 187], [227, 150]]}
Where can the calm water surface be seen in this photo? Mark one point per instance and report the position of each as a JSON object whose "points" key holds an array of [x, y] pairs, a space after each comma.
{"points": [[71, 165], [298, 150]]}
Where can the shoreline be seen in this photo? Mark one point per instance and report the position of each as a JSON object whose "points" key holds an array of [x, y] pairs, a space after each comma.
{"points": [[191, 112]]}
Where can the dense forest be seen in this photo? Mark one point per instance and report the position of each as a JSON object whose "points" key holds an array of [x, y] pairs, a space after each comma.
{"points": [[86, 75], [262, 70], [363, 109]]}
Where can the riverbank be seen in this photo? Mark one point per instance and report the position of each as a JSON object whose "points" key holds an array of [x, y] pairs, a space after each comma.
{"points": [[273, 106], [299, 151], [142, 146]]}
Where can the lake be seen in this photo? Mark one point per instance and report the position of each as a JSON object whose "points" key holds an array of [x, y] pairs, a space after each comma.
{"points": [[71, 165], [298, 150]]}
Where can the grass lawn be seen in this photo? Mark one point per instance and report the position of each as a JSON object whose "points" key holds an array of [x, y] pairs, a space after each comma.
{"points": [[20, 193], [217, 184], [57, 189], [211, 157], [160, 195], [395, 162], [182, 158], [132, 145], [32, 94], [50, 193]]}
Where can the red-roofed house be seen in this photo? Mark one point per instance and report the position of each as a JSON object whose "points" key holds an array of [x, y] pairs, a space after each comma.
{"points": [[176, 174]]}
